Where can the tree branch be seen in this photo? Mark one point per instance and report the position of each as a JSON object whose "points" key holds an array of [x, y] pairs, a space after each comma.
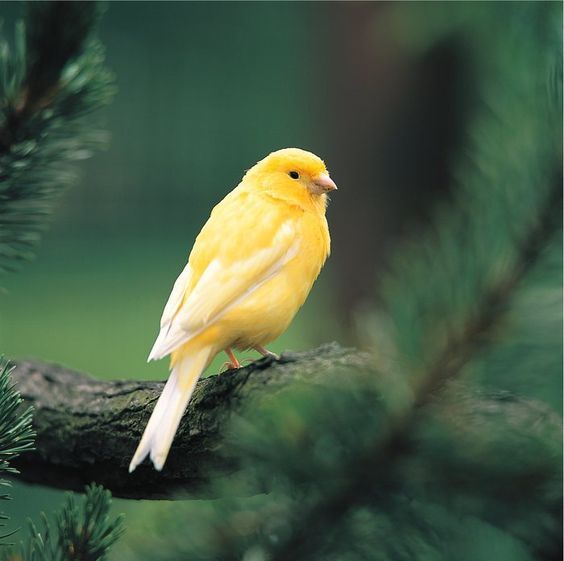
{"points": [[87, 429]]}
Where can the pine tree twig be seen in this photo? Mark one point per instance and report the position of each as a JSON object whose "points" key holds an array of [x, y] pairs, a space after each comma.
{"points": [[16, 433], [79, 532], [87, 429], [56, 34], [53, 78]]}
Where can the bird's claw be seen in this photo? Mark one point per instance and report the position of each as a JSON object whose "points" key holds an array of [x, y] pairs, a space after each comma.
{"points": [[229, 366], [266, 353]]}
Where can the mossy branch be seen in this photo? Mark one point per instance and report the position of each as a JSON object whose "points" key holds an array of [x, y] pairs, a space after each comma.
{"points": [[87, 429]]}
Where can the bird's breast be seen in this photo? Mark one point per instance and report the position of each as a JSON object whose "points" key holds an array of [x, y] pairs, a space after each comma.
{"points": [[266, 313]]}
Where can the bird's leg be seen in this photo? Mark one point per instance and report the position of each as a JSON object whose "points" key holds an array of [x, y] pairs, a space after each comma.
{"points": [[233, 362], [266, 352]]}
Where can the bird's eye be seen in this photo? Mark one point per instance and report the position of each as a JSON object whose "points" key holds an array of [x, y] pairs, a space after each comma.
{"points": [[294, 174]]}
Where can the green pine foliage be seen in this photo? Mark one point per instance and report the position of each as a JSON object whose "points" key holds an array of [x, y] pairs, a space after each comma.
{"points": [[16, 433], [52, 78], [80, 532], [454, 450]]}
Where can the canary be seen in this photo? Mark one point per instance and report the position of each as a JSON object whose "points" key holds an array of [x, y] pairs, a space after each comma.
{"points": [[250, 270]]}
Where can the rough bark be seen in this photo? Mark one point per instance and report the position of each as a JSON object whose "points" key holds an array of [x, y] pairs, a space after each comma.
{"points": [[88, 429]]}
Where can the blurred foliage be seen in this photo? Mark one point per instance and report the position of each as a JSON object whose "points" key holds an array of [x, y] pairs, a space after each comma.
{"points": [[532, 338], [50, 84]]}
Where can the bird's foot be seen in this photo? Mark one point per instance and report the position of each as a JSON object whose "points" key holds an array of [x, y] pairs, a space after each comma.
{"points": [[229, 366], [232, 363], [266, 352]]}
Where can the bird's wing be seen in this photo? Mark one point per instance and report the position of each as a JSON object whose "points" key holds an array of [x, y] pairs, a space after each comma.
{"points": [[233, 264], [176, 296]]}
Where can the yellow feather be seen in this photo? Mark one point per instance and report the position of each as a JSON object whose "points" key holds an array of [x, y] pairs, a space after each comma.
{"points": [[250, 270]]}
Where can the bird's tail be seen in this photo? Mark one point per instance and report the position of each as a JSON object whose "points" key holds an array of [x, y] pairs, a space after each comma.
{"points": [[159, 433]]}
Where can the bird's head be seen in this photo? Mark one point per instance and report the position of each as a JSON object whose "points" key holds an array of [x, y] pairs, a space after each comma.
{"points": [[295, 174]]}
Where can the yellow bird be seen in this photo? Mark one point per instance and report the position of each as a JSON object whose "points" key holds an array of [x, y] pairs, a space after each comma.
{"points": [[249, 272]]}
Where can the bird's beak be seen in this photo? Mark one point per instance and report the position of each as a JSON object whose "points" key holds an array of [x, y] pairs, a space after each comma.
{"points": [[323, 184]]}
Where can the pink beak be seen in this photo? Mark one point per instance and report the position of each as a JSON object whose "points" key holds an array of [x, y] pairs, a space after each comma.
{"points": [[325, 183]]}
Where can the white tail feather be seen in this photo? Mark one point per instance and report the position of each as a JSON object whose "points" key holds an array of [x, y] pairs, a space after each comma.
{"points": [[159, 433]]}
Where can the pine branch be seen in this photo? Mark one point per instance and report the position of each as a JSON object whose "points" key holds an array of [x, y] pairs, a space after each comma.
{"points": [[57, 33], [16, 434], [52, 79], [82, 533], [87, 429]]}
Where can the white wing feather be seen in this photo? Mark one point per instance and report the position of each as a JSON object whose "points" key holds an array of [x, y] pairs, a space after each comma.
{"points": [[220, 288], [176, 296], [171, 308]]}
